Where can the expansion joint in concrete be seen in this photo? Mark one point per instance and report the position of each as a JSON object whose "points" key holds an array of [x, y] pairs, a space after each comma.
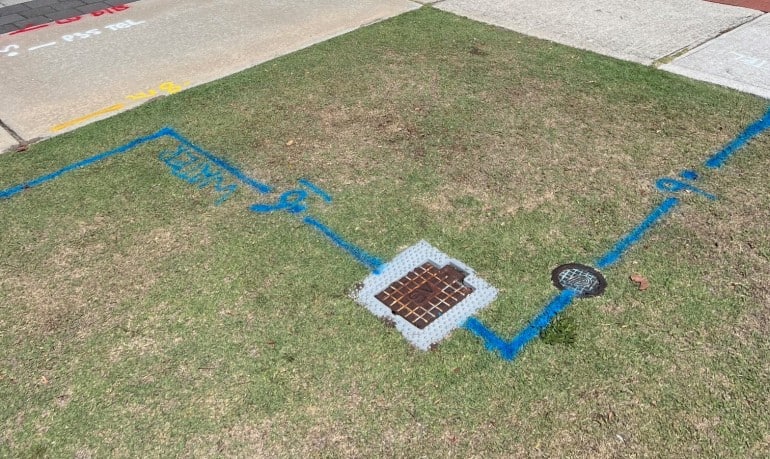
{"points": [[681, 52], [10, 131]]}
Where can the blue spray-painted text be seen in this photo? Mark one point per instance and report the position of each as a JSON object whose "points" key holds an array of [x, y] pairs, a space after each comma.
{"points": [[195, 169], [199, 167]]}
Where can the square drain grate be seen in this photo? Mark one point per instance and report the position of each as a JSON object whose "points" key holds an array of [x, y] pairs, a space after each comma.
{"points": [[425, 294]]}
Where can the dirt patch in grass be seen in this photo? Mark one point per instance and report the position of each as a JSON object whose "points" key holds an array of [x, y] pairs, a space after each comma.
{"points": [[90, 274], [729, 237]]}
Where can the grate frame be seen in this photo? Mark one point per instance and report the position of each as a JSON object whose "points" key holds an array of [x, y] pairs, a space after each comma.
{"points": [[482, 295]]}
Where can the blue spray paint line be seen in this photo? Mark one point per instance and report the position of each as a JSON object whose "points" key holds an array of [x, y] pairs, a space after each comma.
{"points": [[674, 186], [637, 233], [509, 350], [290, 202], [14, 190], [753, 130], [490, 339], [373, 263], [234, 171], [315, 189], [169, 132]]}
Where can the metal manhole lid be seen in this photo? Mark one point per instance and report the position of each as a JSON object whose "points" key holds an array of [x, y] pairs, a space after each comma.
{"points": [[584, 280]]}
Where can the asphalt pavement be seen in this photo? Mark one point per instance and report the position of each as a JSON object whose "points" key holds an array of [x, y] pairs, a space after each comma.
{"points": [[66, 63]]}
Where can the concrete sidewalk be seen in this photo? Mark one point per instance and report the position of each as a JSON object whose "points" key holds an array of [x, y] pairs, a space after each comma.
{"points": [[731, 45], [68, 73], [18, 14], [642, 32], [110, 57], [739, 59]]}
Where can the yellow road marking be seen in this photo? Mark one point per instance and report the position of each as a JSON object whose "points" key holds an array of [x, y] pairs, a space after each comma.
{"points": [[103, 111]]}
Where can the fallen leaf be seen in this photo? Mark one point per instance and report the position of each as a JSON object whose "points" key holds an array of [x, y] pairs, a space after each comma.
{"points": [[644, 284], [289, 143]]}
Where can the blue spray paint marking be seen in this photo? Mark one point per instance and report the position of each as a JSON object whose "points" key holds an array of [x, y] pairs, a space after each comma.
{"points": [[622, 246], [689, 174], [508, 350], [197, 170], [373, 263], [754, 129], [165, 132], [180, 160], [234, 171], [294, 202], [315, 189], [14, 190], [674, 186]]}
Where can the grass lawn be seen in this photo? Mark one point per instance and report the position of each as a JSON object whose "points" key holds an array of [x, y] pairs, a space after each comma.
{"points": [[139, 319]]}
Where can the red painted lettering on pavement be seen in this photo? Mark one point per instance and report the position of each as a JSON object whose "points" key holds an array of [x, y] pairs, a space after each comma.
{"points": [[68, 20], [29, 28], [110, 10]]}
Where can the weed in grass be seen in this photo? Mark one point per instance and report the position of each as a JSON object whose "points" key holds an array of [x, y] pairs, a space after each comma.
{"points": [[562, 330], [37, 452]]}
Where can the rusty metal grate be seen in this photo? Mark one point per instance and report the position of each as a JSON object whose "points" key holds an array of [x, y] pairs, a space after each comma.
{"points": [[425, 293], [423, 301]]}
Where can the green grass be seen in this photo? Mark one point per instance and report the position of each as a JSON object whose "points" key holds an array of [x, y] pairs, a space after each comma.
{"points": [[140, 320]]}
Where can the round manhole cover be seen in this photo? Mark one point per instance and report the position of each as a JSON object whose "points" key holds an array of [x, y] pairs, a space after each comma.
{"points": [[582, 279]]}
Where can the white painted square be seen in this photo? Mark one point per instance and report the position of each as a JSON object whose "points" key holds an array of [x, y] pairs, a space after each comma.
{"points": [[408, 260]]}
